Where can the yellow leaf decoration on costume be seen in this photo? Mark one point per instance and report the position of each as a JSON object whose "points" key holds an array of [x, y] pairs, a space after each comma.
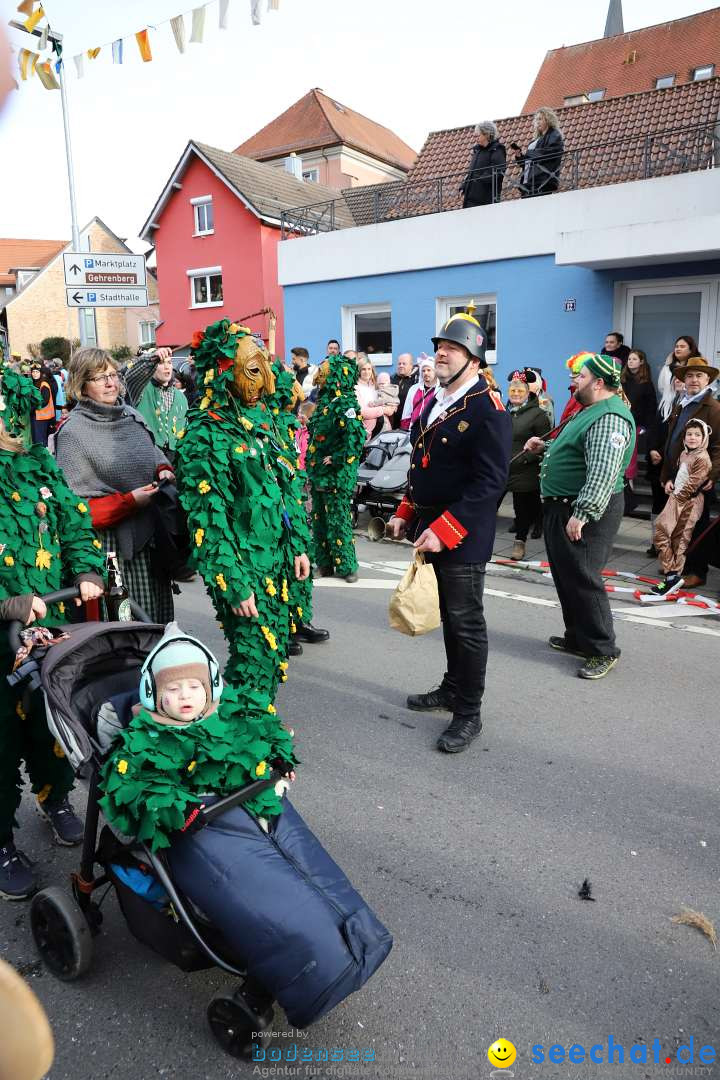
{"points": [[199, 533], [203, 487], [206, 401], [300, 612], [19, 711], [284, 592], [351, 459], [342, 423], [283, 666], [293, 628], [272, 709], [191, 766], [43, 559], [247, 424], [239, 449], [338, 561], [61, 608], [269, 637], [338, 393], [9, 561], [220, 579], [97, 544], [261, 769], [311, 449], [326, 411], [345, 371], [15, 496], [82, 508], [209, 376], [122, 767], [43, 793], [269, 587]]}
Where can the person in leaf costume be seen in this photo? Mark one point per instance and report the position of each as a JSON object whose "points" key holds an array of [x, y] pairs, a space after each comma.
{"points": [[46, 544], [189, 737], [337, 436], [239, 487], [288, 395]]}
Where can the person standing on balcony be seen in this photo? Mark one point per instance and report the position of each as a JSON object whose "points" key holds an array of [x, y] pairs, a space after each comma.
{"points": [[542, 160], [484, 180]]}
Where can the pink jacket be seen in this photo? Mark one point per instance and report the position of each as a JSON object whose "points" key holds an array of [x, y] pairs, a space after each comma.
{"points": [[302, 439]]}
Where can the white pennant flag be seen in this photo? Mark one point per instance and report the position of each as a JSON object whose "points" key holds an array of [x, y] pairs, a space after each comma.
{"points": [[79, 65], [198, 25], [42, 40], [255, 12], [273, 5], [178, 29], [223, 14]]}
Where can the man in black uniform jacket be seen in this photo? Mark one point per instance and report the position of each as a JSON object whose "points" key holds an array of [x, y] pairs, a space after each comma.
{"points": [[458, 473]]}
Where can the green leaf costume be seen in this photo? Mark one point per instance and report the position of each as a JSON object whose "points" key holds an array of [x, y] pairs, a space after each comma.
{"points": [[337, 432], [156, 773], [239, 487]]}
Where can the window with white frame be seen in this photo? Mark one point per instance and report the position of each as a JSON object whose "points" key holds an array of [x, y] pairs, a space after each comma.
{"points": [[368, 328], [146, 331], [311, 175], [485, 313], [204, 217], [206, 287], [705, 72], [664, 82], [595, 95]]}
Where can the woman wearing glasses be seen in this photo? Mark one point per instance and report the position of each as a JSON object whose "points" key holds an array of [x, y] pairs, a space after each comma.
{"points": [[110, 459]]}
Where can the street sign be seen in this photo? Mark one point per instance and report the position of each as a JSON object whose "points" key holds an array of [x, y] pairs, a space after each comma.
{"points": [[570, 305], [111, 297], [88, 268]]}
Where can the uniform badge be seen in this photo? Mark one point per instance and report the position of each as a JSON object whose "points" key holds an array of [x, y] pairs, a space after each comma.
{"points": [[463, 426], [618, 441], [443, 416]]}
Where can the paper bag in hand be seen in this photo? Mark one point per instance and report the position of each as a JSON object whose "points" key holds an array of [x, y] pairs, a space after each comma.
{"points": [[414, 606]]}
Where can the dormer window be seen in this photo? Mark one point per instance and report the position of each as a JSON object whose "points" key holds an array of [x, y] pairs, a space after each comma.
{"points": [[664, 82], [705, 72], [204, 218], [595, 95]]}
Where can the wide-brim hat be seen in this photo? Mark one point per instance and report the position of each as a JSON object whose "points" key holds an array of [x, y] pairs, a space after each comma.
{"points": [[696, 363]]}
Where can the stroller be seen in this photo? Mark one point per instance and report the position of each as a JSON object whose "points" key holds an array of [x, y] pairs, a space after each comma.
{"points": [[96, 662], [382, 476]]}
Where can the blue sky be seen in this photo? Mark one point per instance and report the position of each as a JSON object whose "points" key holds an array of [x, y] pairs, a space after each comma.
{"points": [[413, 65]]}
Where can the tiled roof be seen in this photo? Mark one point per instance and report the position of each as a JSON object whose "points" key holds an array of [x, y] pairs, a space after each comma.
{"points": [[317, 121], [25, 255], [269, 189], [628, 63]]}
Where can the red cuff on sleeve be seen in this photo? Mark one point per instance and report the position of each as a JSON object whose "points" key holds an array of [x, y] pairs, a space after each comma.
{"points": [[448, 529], [405, 510], [109, 509]]}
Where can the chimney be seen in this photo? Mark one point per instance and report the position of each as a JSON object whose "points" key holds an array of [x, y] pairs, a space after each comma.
{"points": [[293, 165]]}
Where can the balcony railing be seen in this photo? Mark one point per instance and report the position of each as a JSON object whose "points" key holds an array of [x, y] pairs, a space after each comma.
{"points": [[642, 157]]}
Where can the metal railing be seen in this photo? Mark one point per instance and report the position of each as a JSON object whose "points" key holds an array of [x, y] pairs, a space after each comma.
{"points": [[642, 157]]}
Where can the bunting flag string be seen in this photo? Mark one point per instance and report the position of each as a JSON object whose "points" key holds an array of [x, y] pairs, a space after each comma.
{"points": [[31, 63]]}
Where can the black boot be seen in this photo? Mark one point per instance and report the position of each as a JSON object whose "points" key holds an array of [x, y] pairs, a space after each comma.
{"points": [[310, 634], [294, 648], [440, 699], [459, 733]]}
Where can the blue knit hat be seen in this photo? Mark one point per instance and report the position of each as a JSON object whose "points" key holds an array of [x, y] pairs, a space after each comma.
{"points": [[178, 656]]}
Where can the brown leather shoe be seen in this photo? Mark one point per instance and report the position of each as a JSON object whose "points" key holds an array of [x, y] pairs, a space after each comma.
{"points": [[691, 581]]}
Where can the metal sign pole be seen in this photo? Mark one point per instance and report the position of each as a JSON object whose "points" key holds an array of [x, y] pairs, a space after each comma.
{"points": [[52, 36]]}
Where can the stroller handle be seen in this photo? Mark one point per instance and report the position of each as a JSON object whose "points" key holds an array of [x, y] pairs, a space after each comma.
{"points": [[59, 597]]}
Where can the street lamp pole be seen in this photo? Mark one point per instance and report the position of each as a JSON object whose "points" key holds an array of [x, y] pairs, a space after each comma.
{"points": [[57, 38]]}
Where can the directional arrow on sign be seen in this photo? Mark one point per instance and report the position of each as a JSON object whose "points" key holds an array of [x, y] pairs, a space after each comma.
{"points": [[74, 269], [77, 297]]}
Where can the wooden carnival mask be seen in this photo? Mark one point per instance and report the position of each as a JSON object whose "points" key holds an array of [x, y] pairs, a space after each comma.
{"points": [[321, 374], [253, 374]]}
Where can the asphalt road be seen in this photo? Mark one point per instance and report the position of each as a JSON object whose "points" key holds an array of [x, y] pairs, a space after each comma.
{"points": [[474, 861]]}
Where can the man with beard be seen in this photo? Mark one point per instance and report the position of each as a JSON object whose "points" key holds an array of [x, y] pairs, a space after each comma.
{"points": [[581, 481]]}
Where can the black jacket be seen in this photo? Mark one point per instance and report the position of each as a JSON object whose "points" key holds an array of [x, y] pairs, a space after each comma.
{"points": [[484, 179], [643, 402], [457, 489], [545, 162], [403, 383]]}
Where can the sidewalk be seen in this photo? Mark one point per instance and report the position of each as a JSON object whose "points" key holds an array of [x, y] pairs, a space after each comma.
{"points": [[632, 541]]}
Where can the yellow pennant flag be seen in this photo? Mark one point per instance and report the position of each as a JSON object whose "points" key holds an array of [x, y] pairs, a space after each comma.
{"points": [[26, 59], [34, 19], [47, 76], [143, 41], [92, 53]]}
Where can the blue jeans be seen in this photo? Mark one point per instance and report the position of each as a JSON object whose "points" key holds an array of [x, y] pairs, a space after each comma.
{"points": [[460, 587]]}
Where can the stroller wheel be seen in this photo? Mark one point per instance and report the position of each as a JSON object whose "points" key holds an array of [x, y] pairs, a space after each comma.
{"points": [[62, 936], [233, 1027]]}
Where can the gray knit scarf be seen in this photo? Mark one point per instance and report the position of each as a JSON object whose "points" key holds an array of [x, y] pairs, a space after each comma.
{"points": [[106, 449]]}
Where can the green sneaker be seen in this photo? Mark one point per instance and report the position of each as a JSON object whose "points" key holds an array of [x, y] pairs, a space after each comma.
{"points": [[597, 667]]}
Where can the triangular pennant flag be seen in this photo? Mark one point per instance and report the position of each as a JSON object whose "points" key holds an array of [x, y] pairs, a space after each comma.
{"points": [[32, 22], [42, 40], [273, 5], [93, 53], [255, 12], [27, 58], [47, 77], [25, 7], [198, 25], [79, 65], [117, 51], [223, 21], [144, 45], [178, 29]]}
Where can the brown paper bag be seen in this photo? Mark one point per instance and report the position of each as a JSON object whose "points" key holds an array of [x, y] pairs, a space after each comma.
{"points": [[414, 606]]}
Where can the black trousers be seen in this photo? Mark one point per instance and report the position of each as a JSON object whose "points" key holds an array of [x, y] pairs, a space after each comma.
{"points": [[460, 587], [527, 507], [576, 569], [697, 559]]}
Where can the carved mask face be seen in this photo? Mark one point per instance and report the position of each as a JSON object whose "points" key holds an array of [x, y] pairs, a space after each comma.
{"points": [[253, 374], [297, 397], [321, 375]]}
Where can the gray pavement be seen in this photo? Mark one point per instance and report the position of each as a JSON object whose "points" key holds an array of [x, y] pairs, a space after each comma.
{"points": [[474, 861]]}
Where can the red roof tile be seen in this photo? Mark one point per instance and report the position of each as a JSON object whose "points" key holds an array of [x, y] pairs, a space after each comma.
{"points": [[628, 63], [317, 121], [25, 255]]}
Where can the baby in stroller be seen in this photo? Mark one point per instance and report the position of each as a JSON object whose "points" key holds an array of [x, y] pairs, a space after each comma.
{"points": [[282, 909]]}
